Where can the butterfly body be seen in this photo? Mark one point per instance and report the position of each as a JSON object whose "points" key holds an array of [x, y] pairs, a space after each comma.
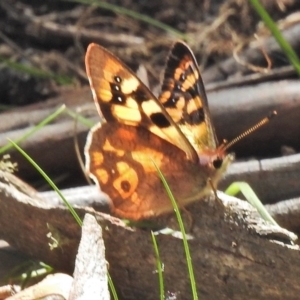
{"points": [[172, 131]]}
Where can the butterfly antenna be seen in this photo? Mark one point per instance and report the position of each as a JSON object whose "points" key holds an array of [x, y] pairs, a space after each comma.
{"points": [[264, 121]]}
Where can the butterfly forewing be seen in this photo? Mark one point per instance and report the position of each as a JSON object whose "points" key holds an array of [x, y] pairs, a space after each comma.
{"points": [[184, 98], [121, 97]]}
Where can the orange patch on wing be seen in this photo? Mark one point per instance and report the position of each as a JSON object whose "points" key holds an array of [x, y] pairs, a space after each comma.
{"points": [[97, 158], [127, 183], [102, 174], [108, 147]]}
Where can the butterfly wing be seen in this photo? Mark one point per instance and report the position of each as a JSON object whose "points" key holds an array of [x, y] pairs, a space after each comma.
{"points": [[121, 97], [184, 98], [120, 158]]}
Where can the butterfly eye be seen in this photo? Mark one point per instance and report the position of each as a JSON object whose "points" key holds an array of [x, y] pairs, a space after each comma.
{"points": [[217, 163], [118, 79]]}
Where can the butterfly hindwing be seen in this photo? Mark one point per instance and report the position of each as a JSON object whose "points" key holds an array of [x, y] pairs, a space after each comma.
{"points": [[120, 159], [121, 97], [184, 98]]}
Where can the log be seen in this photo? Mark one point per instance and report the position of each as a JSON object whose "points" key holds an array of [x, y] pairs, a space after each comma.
{"points": [[273, 179], [233, 250], [234, 110]]}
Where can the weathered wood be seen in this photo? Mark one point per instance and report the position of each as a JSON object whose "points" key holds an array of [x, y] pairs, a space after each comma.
{"points": [[90, 275], [53, 285], [233, 110], [286, 213], [253, 55], [272, 179], [32, 114], [233, 250]]}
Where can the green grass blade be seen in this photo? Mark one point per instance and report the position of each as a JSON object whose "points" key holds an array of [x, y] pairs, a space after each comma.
{"points": [[63, 80], [112, 287], [134, 15], [285, 46], [50, 182], [35, 129], [159, 268], [88, 123], [251, 197], [35, 269], [182, 229]]}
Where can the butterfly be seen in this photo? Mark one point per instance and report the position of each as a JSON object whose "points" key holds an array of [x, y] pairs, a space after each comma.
{"points": [[141, 132]]}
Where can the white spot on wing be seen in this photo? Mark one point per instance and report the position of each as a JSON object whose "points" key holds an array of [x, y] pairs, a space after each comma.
{"points": [[129, 85]]}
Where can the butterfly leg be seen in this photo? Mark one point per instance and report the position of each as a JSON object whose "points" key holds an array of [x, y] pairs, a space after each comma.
{"points": [[218, 200]]}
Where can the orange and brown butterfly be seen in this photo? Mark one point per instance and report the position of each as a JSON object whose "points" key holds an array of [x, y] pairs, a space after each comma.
{"points": [[173, 130]]}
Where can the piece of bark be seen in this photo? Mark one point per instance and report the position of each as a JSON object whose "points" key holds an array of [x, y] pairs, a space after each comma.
{"points": [[253, 55], [273, 180], [57, 285], [52, 148], [286, 213], [252, 79], [90, 275], [32, 114], [6, 291], [233, 251]]}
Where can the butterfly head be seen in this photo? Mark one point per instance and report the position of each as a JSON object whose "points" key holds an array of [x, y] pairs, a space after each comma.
{"points": [[218, 159], [214, 159]]}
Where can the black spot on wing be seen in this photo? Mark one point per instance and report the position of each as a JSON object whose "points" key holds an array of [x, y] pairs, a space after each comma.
{"points": [[196, 117], [125, 185], [180, 50], [118, 79], [177, 53], [115, 87], [140, 95], [177, 87], [182, 77], [172, 101], [172, 65], [117, 96], [160, 120], [193, 91]]}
